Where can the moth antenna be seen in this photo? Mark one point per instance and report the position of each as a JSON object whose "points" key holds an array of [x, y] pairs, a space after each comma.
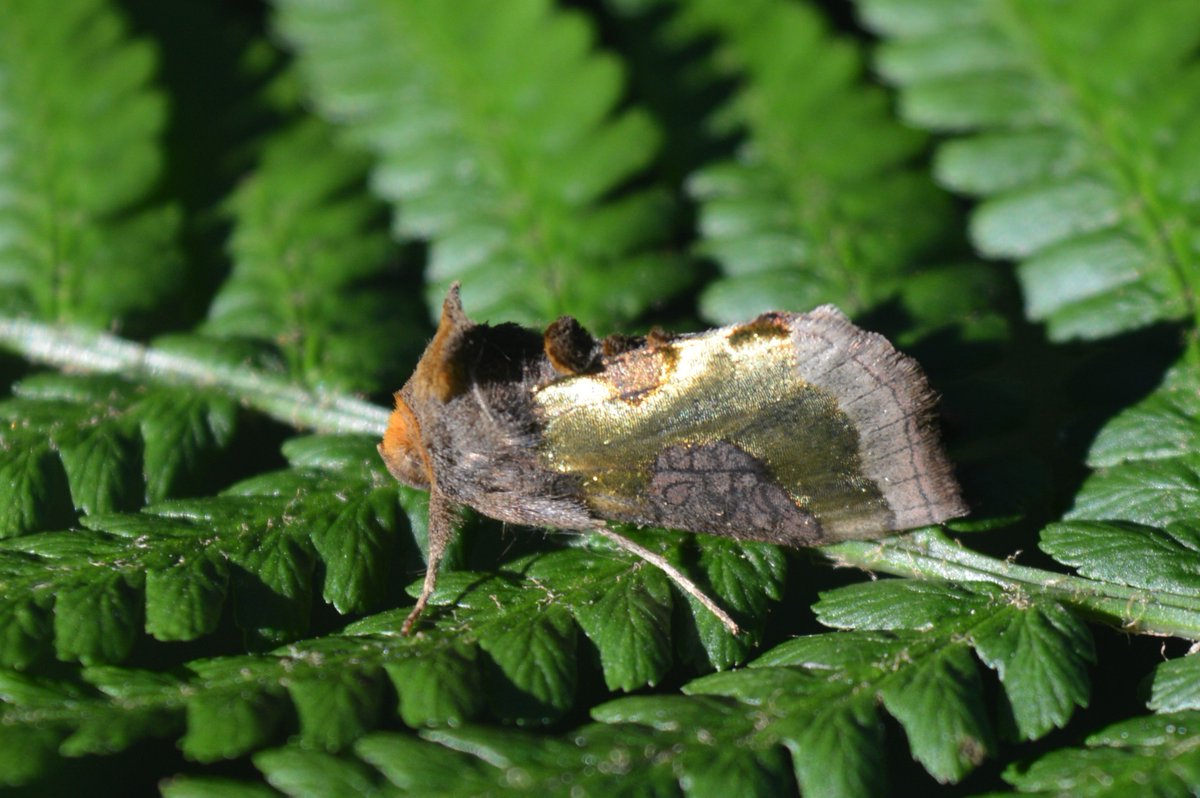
{"points": [[674, 574]]}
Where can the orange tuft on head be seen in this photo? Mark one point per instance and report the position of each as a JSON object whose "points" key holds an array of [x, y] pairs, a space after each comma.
{"points": [[402, 449]]}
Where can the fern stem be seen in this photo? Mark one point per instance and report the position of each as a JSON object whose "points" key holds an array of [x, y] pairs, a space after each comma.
{"points": [[80, 349], [931, 554]]}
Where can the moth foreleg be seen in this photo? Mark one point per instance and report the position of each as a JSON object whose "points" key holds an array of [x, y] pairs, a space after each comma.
{"points": [[441, 532]]}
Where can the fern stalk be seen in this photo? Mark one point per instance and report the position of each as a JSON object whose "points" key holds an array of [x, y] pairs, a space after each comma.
{"points": [[932, 555], [87, 350]]}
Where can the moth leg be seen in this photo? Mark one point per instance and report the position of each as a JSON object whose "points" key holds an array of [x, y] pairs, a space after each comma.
{"points": [[441, 532], [674, 574]]}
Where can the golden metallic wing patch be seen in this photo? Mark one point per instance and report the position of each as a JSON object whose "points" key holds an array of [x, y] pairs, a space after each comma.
{"points": [[724, 432]]}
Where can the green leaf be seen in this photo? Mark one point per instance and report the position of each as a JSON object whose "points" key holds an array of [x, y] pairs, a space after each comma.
{"points": [[98, 616], [746, 576], [631, 626], [1088, 197], [271, 571], [1039, 651], [119, 444], [212, 787], [180, 560], [336, 708], [97, 620], [302, 773], [508, 208], [38, 495], [184, 600], [537, 658], [954, 738], [224, 723], [104, 728], [742, 576], [1154, 755], [620, 760], [354, 541], [348, 454], [840, 752], [439, 684], [1152, 492], [106, 462], [36, 721], [26, 632], [730, 772], [814, 697], [1162, 560], [949, 740], [1042, 685], [24, 755], [1134, 519], [527, 624], [1160, 427], [181, 430], [331, 687], [898, 604], [1175, 685], [834, 737], [415, 766]]}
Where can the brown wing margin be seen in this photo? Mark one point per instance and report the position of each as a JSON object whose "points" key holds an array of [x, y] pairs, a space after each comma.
{"points": [[890, 403]]}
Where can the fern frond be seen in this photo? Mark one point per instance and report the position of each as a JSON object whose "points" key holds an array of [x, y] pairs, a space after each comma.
{"points": [[307, 245], [79, 157], [508, 649], [84, 445], [1079, 127], [821, 203], [220, 707], [806, 711], [221, 619], [626, 611], [86, 594], [497, 136]]}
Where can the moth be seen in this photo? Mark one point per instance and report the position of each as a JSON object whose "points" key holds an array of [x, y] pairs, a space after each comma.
{"points": [[795, 429]]}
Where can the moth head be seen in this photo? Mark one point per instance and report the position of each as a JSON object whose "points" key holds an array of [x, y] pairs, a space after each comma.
{"points": [[437, 378], [402, 449]]}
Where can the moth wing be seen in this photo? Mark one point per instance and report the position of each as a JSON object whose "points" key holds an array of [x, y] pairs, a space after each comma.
{"points": [[795, 429]]}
